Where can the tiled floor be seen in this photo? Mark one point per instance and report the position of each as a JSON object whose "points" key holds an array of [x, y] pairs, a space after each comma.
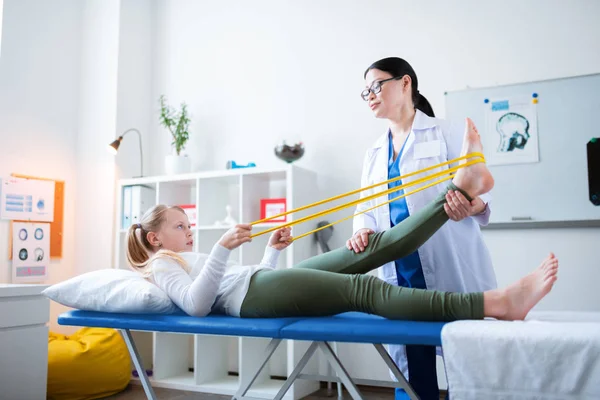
{"points": [[135, 392]]}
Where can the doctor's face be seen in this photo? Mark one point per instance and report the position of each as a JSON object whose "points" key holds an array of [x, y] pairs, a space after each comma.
{"points": [[387, 95]]}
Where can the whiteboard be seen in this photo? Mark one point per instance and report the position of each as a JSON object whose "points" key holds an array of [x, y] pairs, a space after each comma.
{"points": [[554, 190]]}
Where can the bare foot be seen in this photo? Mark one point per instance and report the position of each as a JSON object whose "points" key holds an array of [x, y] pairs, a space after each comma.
{"points": [[475, 179], [515, 301]]}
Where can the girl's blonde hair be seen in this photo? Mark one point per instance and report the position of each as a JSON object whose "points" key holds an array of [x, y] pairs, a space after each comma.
{"points": [[140, 253]]}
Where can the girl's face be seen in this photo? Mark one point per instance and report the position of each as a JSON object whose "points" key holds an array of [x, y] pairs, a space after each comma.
{"points": [[175, 234], [393, 97]]}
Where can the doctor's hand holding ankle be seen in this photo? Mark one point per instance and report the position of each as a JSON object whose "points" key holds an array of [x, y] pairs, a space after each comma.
{"points": [[459, 208]]}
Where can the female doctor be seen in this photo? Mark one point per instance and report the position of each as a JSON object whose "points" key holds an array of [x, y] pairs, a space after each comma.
{"points": [[453, 259]]}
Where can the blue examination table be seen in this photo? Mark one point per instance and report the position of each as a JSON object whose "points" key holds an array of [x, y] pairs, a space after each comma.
{"points": [[321, 331]]}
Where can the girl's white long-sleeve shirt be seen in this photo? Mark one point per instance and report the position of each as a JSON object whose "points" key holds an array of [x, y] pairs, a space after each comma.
{"points": [[212, 285]]}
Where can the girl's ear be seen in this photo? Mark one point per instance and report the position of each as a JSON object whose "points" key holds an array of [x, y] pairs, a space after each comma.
{"points": [[153, 239]]}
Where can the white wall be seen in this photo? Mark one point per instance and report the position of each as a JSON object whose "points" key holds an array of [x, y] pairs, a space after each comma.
{"points": [[97, 126], [39, 94], [1, 8], [136, 107], [257, 72], [58, 96]]}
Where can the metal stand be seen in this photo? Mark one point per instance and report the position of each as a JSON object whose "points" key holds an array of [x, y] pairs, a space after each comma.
{"points": [[137, 361]]}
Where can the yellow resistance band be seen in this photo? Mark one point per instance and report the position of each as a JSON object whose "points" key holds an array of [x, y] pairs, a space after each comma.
{"points": [[371, 197], [480, 158]]}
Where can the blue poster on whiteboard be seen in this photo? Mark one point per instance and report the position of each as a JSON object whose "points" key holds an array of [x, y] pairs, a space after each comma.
{"points": [[511, 134]]}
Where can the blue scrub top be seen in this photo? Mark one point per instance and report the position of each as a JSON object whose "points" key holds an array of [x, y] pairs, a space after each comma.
{"points": [[408, 269]]}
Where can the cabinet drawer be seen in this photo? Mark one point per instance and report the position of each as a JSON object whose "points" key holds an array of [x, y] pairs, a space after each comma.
{"points": [[24, 363], [23, 310]]}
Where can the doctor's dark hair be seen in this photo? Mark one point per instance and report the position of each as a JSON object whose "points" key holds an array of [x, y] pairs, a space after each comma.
{"points": [[397, 67], [140, 253]]}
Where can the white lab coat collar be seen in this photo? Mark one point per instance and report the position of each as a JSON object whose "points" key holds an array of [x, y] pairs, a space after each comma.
{"points": [[420, 123]]}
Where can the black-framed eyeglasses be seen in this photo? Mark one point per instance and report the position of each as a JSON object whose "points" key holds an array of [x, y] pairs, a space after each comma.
{"points": [[376, 87]]}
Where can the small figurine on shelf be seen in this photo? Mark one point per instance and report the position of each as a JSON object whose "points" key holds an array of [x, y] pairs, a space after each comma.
{"points": [[229, 220], [233, 165]]}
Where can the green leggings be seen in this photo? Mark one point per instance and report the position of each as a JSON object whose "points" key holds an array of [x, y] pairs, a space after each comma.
{"points": [[335, 282]]}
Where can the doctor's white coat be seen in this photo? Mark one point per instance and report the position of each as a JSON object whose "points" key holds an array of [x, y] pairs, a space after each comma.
{"points": [[455, 258]]}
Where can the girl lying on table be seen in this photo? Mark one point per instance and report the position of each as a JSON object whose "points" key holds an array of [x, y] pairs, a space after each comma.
{"points": [[160, 248]]}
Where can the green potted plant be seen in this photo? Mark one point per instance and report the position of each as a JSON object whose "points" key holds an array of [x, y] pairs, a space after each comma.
{"points": [[177, 123]]}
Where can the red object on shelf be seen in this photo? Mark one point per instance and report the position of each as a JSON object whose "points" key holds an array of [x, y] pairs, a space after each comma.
{"points": [[269, 207], [190, 210]]}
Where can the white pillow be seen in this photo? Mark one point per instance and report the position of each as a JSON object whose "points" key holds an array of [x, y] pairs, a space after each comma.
{"points": [[111, 290]]}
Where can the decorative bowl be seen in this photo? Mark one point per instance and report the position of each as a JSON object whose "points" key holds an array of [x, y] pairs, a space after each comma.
{"points": [[289, 153]]}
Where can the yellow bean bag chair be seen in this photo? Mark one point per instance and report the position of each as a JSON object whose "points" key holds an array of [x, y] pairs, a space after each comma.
{"points": [[90, 364]]}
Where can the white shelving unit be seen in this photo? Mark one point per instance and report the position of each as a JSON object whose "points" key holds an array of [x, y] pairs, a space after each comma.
{"points": [[216, 364]]}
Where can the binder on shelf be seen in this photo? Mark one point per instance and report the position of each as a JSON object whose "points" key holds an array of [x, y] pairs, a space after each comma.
{"points": [[126, 220], [137, 199]]}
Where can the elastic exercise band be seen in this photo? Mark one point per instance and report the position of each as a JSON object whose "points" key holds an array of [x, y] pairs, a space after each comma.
{"points": [[372, 208], [371, 197], [318, 203]]}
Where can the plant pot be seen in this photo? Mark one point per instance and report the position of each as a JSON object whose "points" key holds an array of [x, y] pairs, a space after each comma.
{"points": [[177, 164]]}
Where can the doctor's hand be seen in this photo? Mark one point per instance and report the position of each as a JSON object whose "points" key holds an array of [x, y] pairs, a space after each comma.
{"points": [[236, 236], [360, 240], [459, 208], [281, 238]]}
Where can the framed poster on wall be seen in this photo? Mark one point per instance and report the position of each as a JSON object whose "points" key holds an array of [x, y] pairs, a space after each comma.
{"points": [[270, 207]]}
